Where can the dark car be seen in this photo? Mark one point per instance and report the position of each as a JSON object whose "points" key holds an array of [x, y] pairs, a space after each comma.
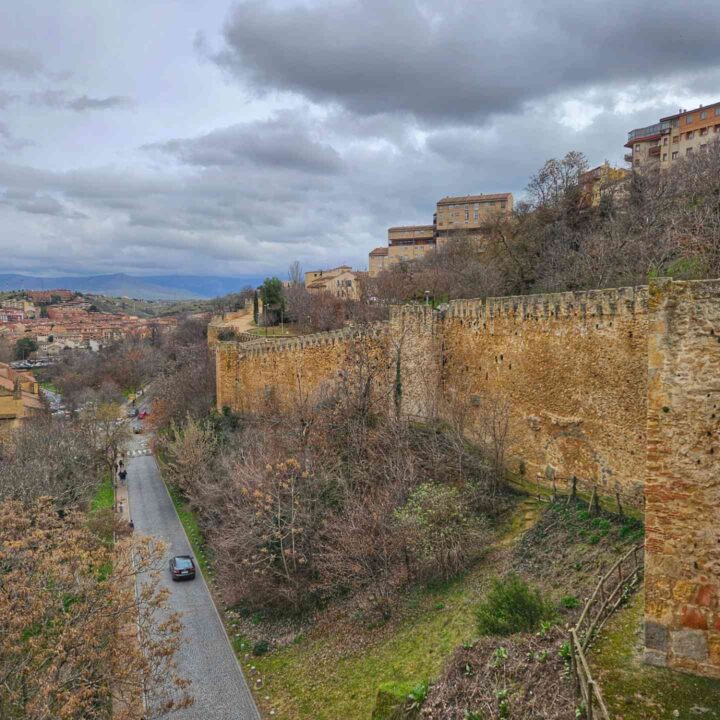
{"points": [[182, 567]]}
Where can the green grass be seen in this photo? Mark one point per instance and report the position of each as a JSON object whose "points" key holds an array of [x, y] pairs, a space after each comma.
{"points": [[102, 504], [272, 331], [104, 496], [322, 676], [314, 679], [192, 528], [635, 691], [47, 385]]}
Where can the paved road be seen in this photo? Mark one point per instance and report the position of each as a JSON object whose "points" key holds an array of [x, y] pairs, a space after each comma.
{"points": [[218, 685]]}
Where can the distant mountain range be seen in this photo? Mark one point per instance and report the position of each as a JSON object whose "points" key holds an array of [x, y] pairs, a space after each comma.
{"points": [[151, 287]]}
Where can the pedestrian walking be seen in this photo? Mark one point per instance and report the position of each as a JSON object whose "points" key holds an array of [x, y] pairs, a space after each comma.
{"points": [[123, 475]]}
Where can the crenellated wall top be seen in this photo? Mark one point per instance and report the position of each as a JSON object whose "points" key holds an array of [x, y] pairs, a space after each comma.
{"points": [[588, 303], [261, 346]]}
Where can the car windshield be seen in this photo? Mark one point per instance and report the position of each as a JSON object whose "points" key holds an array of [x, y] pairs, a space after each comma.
{"points": [[183, 563]]}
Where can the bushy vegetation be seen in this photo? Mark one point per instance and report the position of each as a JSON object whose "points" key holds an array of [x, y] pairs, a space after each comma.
{"points": [[333, 497], [512, 606]]}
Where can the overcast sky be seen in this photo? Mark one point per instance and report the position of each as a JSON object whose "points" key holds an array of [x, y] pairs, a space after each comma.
{"points": [[178, 136]]}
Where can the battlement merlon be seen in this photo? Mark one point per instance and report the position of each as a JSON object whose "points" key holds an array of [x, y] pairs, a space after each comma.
{"points": [[261, 346], [587, 303]]}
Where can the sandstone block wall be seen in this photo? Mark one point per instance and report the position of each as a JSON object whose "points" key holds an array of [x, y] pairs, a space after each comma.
{"points": [[572, 370], [620, 388], [682, 485], [251, 375]]}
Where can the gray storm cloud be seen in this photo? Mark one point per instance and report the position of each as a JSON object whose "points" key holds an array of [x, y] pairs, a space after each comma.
{"points": [[314, 126]]}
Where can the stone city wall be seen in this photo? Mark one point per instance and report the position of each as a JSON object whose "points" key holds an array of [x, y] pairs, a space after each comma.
{"points": [[682, 485], [251, 375], [619, 388], [571, 369]]}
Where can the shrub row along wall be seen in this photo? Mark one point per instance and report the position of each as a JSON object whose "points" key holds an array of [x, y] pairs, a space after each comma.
{"points": [[572, 370]]}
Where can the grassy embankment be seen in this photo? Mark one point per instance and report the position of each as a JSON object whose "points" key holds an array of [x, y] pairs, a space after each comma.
{"points": [[635, 691], [104, 497], [271, 331]]}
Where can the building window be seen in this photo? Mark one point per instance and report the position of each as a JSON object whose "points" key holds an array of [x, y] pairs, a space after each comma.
{"points": [[675, 155], [717, 111], [689, 151], [690, 135], [637, 163], [703, 114], [637, 147], [665, 140], [676, 139], [703, 146], [664, 157], [688, 120]]}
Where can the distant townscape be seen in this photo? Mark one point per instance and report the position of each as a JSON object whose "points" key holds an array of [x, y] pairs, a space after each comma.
{"points": [[51, 321]]}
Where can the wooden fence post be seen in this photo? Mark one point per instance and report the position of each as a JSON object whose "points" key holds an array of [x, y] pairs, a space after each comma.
{"points": [[590, 692], [594, 504]]}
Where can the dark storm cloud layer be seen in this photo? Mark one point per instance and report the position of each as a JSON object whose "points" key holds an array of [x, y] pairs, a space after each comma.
{"points": [[459, 59], [281, 142]]}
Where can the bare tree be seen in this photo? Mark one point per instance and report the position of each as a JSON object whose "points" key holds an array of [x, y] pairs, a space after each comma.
{"points": [[295, 274]]}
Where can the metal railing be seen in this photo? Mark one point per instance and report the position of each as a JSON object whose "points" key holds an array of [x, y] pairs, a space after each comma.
{"points": [[610, 593]]}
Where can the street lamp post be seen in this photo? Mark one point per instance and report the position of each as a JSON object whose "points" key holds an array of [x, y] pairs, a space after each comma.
{"points": [[427, 298]]}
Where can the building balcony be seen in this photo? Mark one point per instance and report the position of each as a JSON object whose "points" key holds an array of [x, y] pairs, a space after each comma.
{"points": [[628, 157], [657, 129]]}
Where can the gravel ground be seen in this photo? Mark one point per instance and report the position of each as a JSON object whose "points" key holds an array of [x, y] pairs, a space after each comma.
{"points": [[218, 686]]}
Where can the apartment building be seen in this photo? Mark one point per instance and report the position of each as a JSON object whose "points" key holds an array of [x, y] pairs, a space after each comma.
{"points": [[342, 282], [655, 147], [454, 217]]}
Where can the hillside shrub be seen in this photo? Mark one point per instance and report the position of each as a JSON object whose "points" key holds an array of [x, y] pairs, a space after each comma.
{"points": [[512, 606], [442, 535]]}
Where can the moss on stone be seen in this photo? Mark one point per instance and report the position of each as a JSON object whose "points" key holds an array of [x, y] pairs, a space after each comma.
{"points": [[636, 691], [391, 701]]}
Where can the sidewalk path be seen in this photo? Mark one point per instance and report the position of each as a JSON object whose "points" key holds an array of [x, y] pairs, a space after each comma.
{"points": [[205, 657]]}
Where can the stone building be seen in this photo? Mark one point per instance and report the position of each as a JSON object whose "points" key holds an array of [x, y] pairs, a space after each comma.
{"points": [[408, 242], [465, 216], [19, 397], [654, 147], [342, 282], [454, 217]]}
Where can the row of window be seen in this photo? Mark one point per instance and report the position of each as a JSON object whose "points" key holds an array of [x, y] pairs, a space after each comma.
{"points": [[476, 206], [688, 135], [703, 116], [676, 154]]}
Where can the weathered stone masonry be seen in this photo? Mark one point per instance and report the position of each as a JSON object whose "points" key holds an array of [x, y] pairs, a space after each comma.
{"points": [[682, 484], [619, 388]]}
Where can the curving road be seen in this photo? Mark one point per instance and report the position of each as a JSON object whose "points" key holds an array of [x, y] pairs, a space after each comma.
{"points": [[218, 686]]}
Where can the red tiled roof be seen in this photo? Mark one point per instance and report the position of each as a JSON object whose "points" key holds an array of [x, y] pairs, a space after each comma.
{"points": [[379, 252]]}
